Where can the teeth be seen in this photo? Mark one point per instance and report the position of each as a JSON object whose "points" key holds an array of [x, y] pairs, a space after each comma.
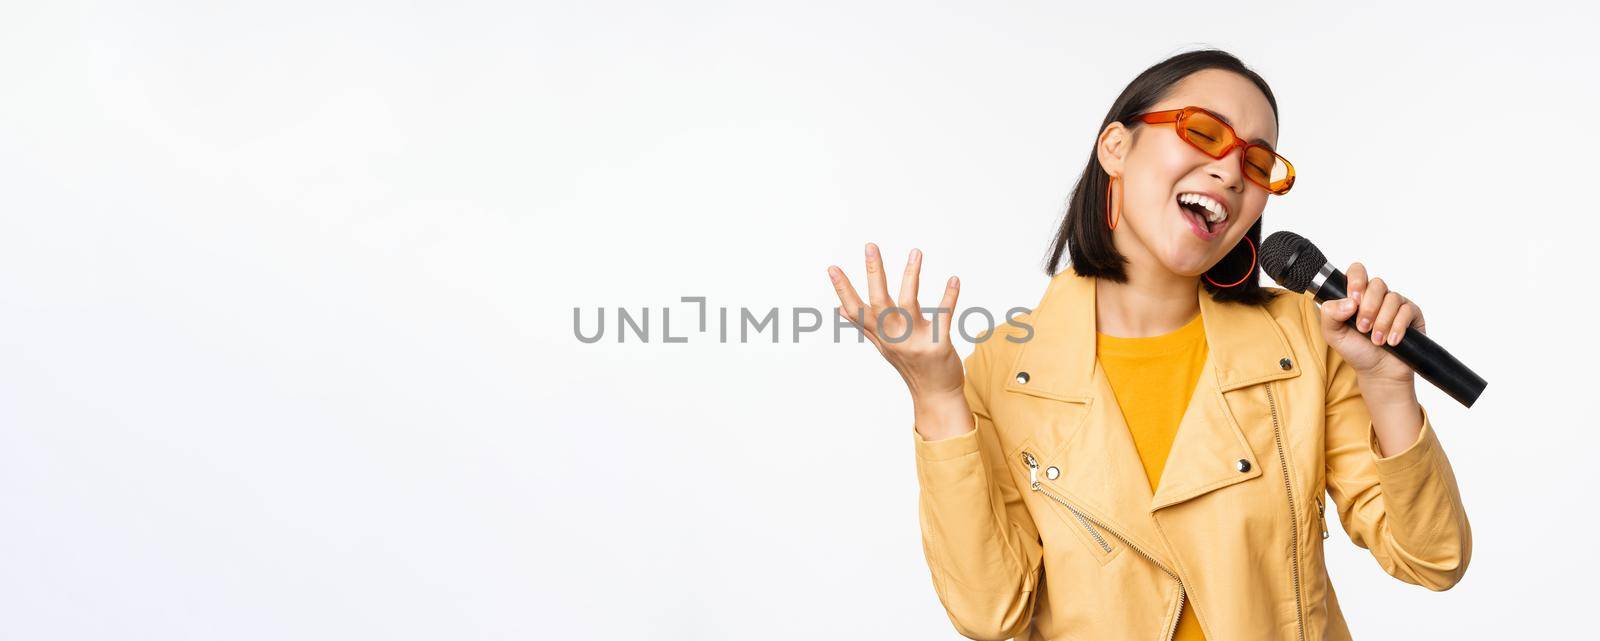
{"points": [[1215, 211]]}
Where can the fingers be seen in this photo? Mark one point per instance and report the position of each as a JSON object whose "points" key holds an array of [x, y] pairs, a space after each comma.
{"points": [[1402, 320], [908, 284], [1355, 281], [877, 285], [1383, 323], [850, 304], [1370, 300], [1388, 314], [952, 289], [1335, 313]]}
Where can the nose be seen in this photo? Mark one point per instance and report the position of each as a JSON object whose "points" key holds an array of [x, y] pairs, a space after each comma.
{"points": [[1226, 170]]}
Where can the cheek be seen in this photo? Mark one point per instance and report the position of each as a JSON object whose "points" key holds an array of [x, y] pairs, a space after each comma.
{"points": [[1254, 207], [1167, 160], [1152, 177]]}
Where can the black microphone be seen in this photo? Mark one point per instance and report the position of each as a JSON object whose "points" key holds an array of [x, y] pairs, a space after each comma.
{"points": [[1299, 266]]}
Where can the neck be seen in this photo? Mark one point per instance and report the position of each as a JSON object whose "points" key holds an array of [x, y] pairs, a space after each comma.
{"points": [[1154, 301]]}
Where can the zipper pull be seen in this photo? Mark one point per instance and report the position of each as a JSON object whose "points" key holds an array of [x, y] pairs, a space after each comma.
{"points": [[1033, 468], [1322, 517]]}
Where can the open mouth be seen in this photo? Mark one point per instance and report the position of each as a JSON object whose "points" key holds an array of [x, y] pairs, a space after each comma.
{"points": [[1200, 216]]}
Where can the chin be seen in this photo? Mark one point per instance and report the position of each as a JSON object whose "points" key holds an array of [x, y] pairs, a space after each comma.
{"points": [[1188, 263]]}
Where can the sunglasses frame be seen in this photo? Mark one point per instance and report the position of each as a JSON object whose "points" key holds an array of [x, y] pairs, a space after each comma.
{"points": [[1177, 116]]}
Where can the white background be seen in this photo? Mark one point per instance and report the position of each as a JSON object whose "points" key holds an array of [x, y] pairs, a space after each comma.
{"points": [[287, 291]]}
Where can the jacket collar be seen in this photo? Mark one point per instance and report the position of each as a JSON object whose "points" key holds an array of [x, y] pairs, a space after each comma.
{"points": [[1100, 467], [1246, 345]]}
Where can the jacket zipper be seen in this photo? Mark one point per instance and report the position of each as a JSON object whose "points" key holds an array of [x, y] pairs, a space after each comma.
{"points": [[1294, 525], [1033, 481], [1033, 477], [1322, 517]]}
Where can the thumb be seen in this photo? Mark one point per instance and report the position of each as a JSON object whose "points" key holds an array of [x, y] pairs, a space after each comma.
{"points": [[1334, 314]]}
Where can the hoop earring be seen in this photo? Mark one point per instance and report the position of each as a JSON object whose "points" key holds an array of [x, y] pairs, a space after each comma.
{"points": [[1112, 224], [1246, 274]]}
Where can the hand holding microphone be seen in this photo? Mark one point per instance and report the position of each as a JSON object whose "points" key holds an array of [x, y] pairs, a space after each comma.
{"points": [[1352, 305], [1372, 307]]}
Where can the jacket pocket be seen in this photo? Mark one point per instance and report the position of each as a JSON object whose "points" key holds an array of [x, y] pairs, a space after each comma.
{"points": [[1041, 478]]}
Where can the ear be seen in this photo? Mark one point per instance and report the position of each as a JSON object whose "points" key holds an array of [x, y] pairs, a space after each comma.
{"points": [[1112, 147]]}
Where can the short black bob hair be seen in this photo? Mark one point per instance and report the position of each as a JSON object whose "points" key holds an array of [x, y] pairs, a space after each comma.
{"points": [[1083, 233]]}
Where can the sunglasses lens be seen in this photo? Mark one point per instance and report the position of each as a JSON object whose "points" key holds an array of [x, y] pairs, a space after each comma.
{"points": [[1262, 166], [1206, 132], [1268, 169]]}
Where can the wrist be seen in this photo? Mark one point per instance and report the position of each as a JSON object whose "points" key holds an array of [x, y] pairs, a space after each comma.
{"points": [[940, 399], [942, 416], [1385, 389], [1396, 414]]}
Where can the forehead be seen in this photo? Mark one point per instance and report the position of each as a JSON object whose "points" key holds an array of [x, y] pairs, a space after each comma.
{"points": [[1229, 95]]}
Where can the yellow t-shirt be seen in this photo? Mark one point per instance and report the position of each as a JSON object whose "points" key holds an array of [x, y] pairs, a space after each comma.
{"points": [[1153, 378]]}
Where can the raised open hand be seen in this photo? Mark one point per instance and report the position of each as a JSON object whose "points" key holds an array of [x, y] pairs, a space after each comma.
{"points": [[916, 345]]}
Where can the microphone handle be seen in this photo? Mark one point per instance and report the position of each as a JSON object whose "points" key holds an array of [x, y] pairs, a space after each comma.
{"points": [[1415, 349]]}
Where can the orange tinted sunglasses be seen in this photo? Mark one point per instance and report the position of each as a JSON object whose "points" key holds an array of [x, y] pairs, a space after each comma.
{"points": [[1207, 132]]}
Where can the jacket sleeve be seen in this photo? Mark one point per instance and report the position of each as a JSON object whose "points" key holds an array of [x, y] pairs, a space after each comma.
{"points": [[981, 544], [1405, 508]]}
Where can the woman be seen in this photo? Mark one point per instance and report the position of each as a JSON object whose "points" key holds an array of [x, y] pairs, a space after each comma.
{"points": [[1145, 454]]}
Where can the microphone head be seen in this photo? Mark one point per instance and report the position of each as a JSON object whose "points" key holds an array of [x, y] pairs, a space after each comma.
{"points": [[1291, 260]]}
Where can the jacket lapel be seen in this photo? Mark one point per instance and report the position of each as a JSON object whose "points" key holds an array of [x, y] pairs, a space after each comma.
{"points": [[1101, 468], [1246, 347]]}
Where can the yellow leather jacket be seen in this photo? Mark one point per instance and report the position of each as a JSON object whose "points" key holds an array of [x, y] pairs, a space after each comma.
{"points": [[1039, 524]]}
